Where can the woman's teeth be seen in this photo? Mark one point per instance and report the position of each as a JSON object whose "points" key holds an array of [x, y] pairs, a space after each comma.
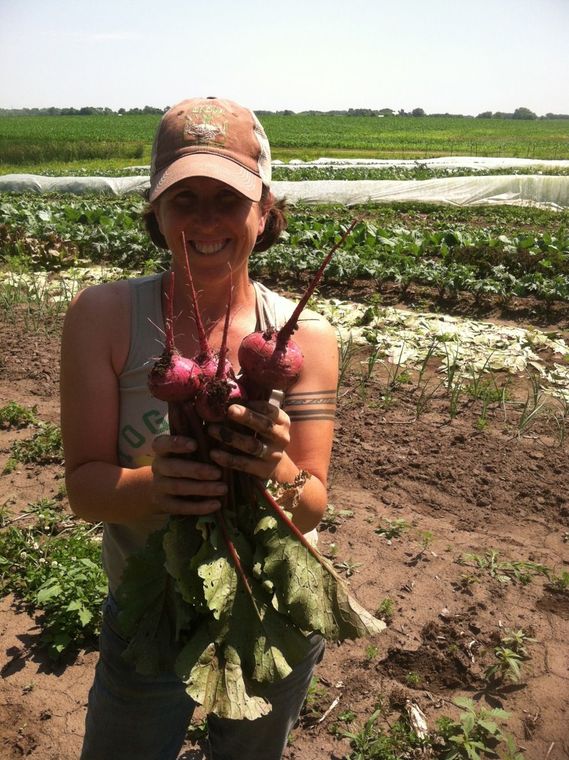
{"points": [[204, 247]]}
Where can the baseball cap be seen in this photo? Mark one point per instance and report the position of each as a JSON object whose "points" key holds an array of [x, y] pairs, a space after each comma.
{"points": [[211, 137]]}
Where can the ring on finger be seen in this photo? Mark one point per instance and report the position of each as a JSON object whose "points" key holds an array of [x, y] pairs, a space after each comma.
{"points": [[261, 450]]}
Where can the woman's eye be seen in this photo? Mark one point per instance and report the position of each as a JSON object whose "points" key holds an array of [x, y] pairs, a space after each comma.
{"points": [[228, 198], [184, 199]]}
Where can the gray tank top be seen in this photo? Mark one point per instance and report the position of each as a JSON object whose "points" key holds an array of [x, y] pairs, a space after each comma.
{"points": [[143, 417]]}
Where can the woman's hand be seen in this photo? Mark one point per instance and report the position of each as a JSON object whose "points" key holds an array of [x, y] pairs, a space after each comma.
{"points": [[259, 451], [182, 485]]}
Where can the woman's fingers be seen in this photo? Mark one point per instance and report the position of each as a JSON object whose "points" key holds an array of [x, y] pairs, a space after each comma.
{"points": [[246, 443], [182, 485], [259, 467], [259, 416], [163, 445]]}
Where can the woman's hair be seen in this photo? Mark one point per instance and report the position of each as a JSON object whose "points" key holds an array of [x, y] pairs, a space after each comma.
{"points": [[276, 222]]}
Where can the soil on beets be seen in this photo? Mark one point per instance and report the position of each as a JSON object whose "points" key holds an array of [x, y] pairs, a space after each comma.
{"points": [[453, 487]]}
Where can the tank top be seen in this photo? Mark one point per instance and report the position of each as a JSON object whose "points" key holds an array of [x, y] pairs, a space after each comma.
{"points": [[142, 417]]}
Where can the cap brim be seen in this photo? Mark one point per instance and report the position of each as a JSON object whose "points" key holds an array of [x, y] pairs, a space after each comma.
{"points": [[208, 165]]}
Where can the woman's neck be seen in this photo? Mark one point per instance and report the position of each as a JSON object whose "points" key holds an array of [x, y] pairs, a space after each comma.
{"points": [[212, 300]]}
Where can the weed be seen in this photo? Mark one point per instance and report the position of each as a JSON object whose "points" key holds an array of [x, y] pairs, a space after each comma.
{"points": [[559, 584], [386, 610], [315, 697], [44, 447], [14, 415], [514, 571], [517, 640], [333, 517], [371, 742], [59, 574], [348, 567], [413, 679], [506, 668], [392, 529], [535, 405], [371, 652], [475, 735]]}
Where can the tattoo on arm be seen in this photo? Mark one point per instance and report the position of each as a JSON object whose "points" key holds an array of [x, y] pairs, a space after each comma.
{"points": [[311, 405]]}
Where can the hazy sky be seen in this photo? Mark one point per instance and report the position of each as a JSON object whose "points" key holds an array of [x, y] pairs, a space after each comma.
{"points": [[460, 56]]}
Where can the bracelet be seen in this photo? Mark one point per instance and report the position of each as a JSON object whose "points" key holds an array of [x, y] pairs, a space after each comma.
{"points": [[287, 495]]}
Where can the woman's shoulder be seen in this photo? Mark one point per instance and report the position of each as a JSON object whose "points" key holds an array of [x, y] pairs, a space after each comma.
{"points": [[111, 299], [310, 321]]}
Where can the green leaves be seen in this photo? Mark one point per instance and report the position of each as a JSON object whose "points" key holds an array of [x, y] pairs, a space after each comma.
{"points": [[185, 607], [310, 591]]}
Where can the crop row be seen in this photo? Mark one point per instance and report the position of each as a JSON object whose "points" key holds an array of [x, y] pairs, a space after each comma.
{"points": [[402, 135], [48, 233]]}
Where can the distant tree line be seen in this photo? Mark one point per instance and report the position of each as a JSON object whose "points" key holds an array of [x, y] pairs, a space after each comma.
{"points": [[84, 111], [519, 113]]}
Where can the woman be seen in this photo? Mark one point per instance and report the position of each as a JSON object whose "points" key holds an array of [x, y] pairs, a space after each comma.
{"points": [[210, 180]]}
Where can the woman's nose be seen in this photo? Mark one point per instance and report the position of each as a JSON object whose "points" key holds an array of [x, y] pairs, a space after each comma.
{"points": [[207, 213]]}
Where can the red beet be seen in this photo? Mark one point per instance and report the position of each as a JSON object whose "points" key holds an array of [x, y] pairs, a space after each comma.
{"points": [[270, 359], [173, 378]]}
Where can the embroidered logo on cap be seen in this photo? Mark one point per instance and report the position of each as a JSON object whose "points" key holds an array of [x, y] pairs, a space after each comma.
{"points": [[206, 126]]}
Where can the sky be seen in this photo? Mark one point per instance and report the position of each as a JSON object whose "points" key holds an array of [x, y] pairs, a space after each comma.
{"points": [[455, 56]]}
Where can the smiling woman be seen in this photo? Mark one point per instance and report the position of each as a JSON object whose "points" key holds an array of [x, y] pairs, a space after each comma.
{"points": [[211, 206]]}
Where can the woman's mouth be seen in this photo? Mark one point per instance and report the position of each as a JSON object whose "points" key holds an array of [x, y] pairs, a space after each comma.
{"points": [[207, 247]]}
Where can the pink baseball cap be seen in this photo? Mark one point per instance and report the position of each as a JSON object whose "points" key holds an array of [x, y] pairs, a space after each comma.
{"points": [[210, 137]]}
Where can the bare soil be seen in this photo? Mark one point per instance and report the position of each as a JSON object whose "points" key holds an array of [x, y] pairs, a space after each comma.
{"points": [[459, 486]]}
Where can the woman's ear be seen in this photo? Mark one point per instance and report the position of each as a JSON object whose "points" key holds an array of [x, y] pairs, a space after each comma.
{"points": [[262, 222]]}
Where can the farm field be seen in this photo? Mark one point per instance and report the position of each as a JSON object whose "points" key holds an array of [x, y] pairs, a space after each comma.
{"points": [[28, 142], [448, 512]]}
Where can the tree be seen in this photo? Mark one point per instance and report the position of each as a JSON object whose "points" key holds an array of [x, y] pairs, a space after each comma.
{"points": [[417, 112], [524, 113], [485, 115]]}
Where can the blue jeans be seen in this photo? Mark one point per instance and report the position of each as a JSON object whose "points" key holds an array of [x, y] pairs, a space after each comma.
{"points": [[131, 716]]}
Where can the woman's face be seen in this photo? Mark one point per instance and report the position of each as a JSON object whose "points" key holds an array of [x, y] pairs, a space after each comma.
{"points": [[219, 224]]}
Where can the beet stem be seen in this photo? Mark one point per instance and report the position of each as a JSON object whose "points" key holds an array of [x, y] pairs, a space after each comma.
{"points": [[196, 427], [169, 319], [287, 330], [282, 515], [220, 374], [204, 345]]}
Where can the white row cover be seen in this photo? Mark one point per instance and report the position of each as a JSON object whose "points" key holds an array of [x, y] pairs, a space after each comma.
{"points": [[529, 190], [36, 183], [519, 190], [483, 163]]}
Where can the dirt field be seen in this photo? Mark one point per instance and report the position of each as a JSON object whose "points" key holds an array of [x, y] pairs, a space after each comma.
{"points": [[460, 488]]}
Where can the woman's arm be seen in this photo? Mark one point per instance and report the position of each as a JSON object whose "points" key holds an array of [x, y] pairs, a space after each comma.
{"points": [[95, 345]]}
